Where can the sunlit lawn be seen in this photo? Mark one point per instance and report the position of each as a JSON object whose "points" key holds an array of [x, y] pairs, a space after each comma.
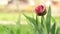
{"points": [[14, 16]]}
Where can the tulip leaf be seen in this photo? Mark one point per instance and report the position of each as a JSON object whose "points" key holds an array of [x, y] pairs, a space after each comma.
{"points": [[53, 20], [58, 30], [53, 29], [48, 20], [32, 20]]}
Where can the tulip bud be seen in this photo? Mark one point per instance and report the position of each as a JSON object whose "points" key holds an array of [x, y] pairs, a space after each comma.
{"points": [[40, 10]]}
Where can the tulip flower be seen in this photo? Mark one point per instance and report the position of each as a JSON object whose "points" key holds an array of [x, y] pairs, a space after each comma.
{"points": [[40, 10]]}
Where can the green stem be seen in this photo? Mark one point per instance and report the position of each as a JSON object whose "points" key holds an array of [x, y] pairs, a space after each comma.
{"points": [[42, 21], [43, 25], [37, 20], [37, 25]]}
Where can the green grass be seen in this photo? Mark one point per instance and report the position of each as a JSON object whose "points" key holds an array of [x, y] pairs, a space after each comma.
{"points": [[24, 29], [5, 29]]}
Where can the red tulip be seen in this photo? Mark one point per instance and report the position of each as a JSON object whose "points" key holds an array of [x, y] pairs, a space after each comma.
{"points": [[40, 10]]}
